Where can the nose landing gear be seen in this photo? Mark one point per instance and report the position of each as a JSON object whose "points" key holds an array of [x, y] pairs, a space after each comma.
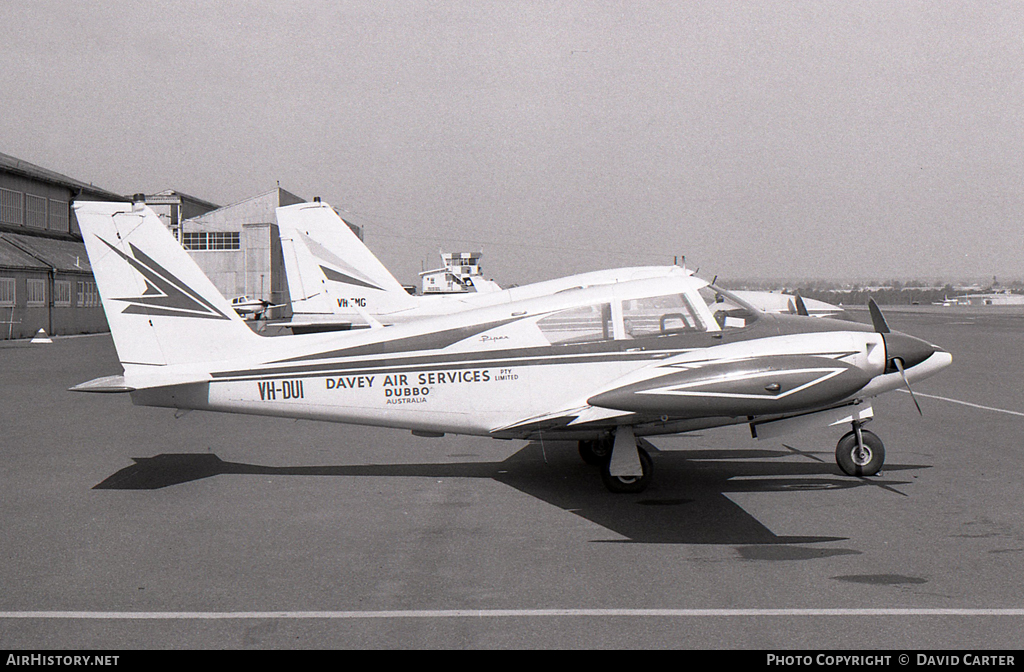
{"points": [[860, 452]]}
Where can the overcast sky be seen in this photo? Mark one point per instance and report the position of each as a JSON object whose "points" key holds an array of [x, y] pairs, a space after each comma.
{"points": [[838, 140]]}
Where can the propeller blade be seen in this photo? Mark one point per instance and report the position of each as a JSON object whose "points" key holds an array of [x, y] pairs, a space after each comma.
{"points": [[899, 365], [877, 318], [801, 309]]}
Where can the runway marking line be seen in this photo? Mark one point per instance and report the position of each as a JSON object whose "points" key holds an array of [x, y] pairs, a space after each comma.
{"points": [[494, 613], [967, 403]]}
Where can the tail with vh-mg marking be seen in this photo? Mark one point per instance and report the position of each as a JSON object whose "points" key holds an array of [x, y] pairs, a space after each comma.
{"points": [[332, 275]]}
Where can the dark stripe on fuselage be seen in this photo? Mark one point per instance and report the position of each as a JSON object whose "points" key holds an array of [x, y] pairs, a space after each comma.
{"points": [[435, 340], [504, 359], [352, 361]]}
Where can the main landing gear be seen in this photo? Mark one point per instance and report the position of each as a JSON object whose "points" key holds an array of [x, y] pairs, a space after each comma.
{"points": [[625, 465], [860, 452], [596, 451]]}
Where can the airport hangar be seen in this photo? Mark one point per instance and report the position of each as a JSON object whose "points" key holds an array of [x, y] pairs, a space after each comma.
{"points": [[237, 246], [45, 278]]}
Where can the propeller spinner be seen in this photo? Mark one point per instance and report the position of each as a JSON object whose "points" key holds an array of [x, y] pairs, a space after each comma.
{"points": [[901, 351]]}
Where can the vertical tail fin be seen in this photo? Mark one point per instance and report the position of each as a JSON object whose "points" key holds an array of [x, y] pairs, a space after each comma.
{"points": [[330, 271], [161, 308]]}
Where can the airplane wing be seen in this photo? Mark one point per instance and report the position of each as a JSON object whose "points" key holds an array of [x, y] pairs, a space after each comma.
{"points": [[316, 326], [574, 417]]}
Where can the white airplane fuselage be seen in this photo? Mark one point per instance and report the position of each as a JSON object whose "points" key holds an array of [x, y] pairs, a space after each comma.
{"points": [[602, 364], [490, 371]]}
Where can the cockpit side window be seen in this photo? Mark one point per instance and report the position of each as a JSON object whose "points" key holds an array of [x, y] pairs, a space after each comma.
{"points": [[729, 311], [584, 324], [656, 315]]}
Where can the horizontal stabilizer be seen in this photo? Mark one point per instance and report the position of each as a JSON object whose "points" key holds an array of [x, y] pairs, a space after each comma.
{"points": [[142, 378], [104, 385]]}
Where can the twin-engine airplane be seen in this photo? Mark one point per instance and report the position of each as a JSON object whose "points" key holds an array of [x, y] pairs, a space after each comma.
{"points": [[774, 302], [335, 282], [602, 365]]}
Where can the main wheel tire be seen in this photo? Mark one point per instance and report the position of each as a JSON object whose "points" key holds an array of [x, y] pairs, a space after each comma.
{"points": [[595, 452], [855, 462], [629, 484]]}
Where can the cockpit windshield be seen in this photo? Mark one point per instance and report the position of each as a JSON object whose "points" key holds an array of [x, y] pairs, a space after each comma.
{"points": [[730, 311]]}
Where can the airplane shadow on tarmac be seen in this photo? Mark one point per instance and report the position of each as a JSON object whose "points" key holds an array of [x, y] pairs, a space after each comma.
{"points": [[685, 504]]}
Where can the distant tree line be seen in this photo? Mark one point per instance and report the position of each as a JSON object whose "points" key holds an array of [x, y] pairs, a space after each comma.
{"points": [[891, 293], [885, 296]]}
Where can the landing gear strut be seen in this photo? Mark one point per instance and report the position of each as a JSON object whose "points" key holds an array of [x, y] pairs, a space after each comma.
{"points": [[631, 484], [860, 452], [625, 466]]}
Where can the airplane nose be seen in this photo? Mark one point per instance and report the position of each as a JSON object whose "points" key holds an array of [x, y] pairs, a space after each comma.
{"points": [[909, 350]]}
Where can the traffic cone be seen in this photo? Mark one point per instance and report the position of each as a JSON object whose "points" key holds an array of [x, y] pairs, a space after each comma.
{"points": [[41, 337]]}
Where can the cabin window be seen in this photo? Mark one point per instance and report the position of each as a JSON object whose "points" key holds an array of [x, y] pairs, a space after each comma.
{"points": [[578, 325], [729, 311], [655, 315]]}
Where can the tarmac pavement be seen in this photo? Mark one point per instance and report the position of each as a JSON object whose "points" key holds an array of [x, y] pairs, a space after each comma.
{"points": [[126, 527]]}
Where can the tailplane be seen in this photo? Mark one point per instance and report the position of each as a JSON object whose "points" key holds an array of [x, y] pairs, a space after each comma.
{"points": [[161, 308]]}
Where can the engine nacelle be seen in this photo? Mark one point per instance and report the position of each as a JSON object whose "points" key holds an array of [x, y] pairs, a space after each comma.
{"points": [[747, 387]]}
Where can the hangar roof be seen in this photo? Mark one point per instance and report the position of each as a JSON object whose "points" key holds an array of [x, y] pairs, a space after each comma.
{"points": [[35, 253], [15, 257], [15, 165], [170, 196]]}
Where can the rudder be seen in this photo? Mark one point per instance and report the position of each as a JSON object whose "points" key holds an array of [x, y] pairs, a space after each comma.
{"points": [[160, 306]]}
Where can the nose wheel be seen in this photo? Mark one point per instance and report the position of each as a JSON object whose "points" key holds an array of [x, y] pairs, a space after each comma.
{"points": [[860, 452]]}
